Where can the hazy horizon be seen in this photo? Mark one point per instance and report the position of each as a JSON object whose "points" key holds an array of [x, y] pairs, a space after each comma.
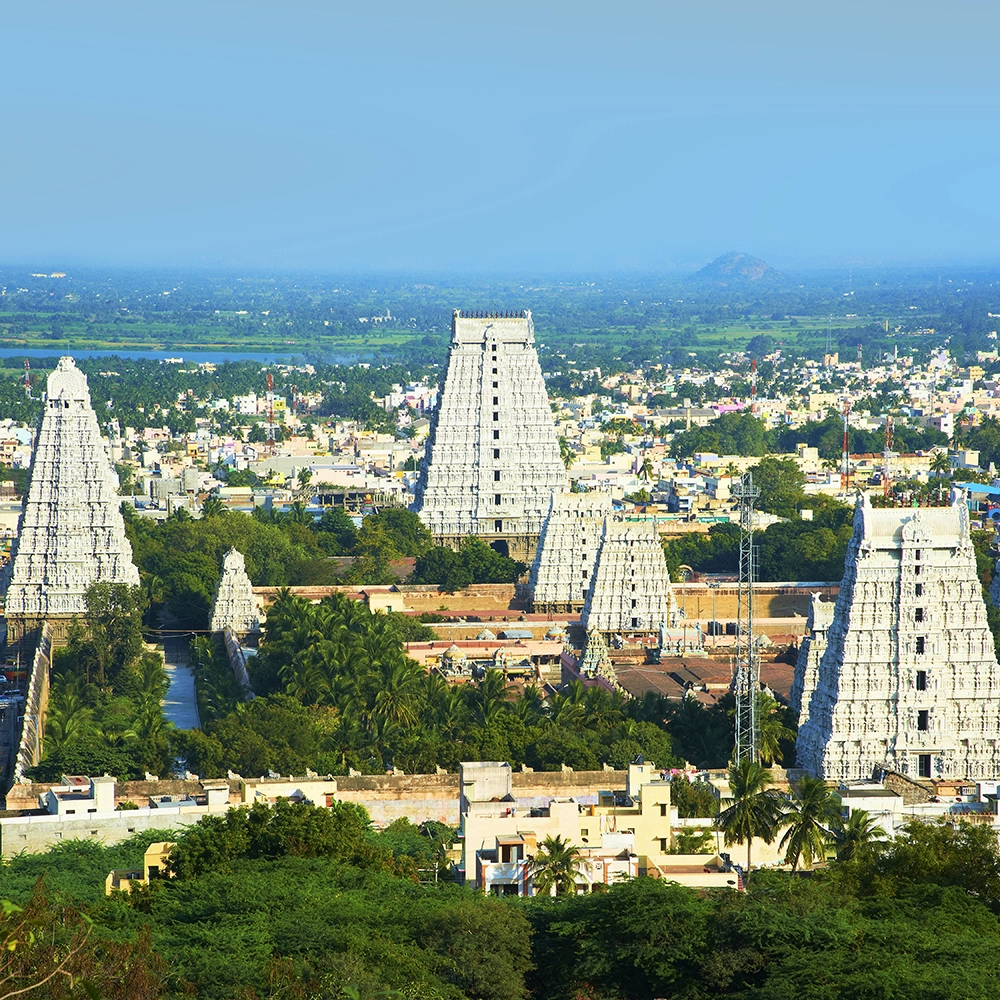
{"points": [[553, 139]]}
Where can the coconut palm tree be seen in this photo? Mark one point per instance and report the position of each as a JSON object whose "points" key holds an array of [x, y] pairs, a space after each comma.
{"points": [[771, 728], [940, 464], [646, 469], [856, 835], [556, 866], [814, 811], [757, 808]]}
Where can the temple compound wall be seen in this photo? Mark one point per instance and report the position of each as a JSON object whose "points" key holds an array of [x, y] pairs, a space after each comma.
{"points": [[909, 679], [492, 457]]}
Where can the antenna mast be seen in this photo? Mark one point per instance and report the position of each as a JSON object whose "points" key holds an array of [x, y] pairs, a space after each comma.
{"points": [[746, 669], [887, 472], [270, 414], [845, 455], [753, 386]]}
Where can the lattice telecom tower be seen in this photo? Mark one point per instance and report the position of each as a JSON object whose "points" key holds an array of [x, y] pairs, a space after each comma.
{"points": [[746, 668]]}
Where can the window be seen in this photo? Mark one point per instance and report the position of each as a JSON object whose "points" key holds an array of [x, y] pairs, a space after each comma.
{"points": [[923, 765], [920, 643], [496, 452], [663, 809], [919, 589], [494, 370], [496, 498], [496, 475], [496, 400], [663, 845], [496, 385], [585, 574], [922, 720], [496, 436], [498, 525], [921, 680], [496, 416], [916, 555], [70, 812], [635, 603], [635, 623], [91, 810], [916, 571], [918, 615]]}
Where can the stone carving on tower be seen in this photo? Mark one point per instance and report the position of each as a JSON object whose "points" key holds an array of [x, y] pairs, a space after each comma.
{"points": [[564, 564], [810, 653], [71, 532], [631, 590], [909, 680], [492, 457], [234, 606]]}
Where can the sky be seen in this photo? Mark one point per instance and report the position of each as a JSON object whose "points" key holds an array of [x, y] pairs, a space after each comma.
{"points": [[498, 138]]}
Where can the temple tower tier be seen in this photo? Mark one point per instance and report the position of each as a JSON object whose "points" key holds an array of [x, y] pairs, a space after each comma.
{"points": [[909, 680], [492, 457], [71, 533], [631, 591], [563, 570]]}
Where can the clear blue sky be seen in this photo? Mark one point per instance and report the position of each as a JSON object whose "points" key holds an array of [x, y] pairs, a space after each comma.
{"points": [[508, 136]]}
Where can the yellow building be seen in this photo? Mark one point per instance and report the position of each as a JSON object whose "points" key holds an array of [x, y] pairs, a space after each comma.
{"points": [[154, 863]]}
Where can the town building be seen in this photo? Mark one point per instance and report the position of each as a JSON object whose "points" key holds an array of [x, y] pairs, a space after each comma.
{"points": [[72, 534], [909, 680], [492, 459]]}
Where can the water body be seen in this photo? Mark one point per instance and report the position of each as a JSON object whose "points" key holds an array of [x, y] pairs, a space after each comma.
{"points": [[213, 357]]}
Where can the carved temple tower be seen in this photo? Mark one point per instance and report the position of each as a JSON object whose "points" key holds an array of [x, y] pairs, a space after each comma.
{"points": [[811, 650], [492, 458], [563, 570], [631, 591], [909, 679], [234, 606], [71, 532]]}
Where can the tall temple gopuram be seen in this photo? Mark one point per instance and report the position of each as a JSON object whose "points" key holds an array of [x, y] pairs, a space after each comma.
{"points": [[909, 679], [234, 606], [71, 531], [492, 458], [563, 570], [631, 591]]}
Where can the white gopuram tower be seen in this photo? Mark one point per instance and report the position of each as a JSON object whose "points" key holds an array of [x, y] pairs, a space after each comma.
{"points": [[563, 570], [71, 532], [631, 590], [811, 650], [234, 606], [492, 457], [909, 680]]}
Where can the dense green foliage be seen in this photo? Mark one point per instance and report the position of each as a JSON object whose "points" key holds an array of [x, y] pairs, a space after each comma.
{"points": [[309, 903], [104, 705], [475, 562], [744, 434], [336, 691]]}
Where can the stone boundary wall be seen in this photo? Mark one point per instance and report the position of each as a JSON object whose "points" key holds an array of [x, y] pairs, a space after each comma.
{"points": [[238, 662], [387, 797], [29, 751]]}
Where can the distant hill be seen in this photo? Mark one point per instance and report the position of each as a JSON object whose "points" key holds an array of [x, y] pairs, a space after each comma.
{"points": [[737, 269]]}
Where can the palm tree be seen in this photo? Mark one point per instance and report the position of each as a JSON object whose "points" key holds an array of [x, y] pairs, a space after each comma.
{"points": [[814, 811], [757, 808], [771, 728], [646, 469], [556, 865], [940, 464], [856, 835], [732, 470]]}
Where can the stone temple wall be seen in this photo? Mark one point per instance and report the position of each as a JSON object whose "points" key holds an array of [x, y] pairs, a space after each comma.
{"points": [[909, 681]]}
